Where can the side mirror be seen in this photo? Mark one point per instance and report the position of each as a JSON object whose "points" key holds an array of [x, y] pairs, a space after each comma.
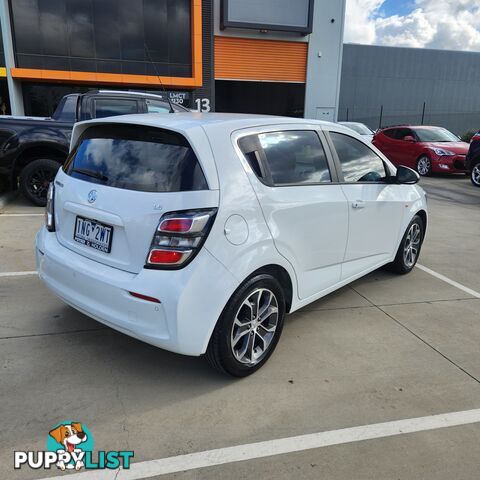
{"points": [[409, 138], [406, 176]]}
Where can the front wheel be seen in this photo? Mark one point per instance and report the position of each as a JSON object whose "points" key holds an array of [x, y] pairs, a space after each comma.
{"points": [[424, 166], [249, 328], [35, 178], [410, 246], [475, 175]]}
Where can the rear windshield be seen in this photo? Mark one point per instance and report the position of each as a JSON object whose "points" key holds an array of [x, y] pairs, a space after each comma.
{"points": [[135, 157]]}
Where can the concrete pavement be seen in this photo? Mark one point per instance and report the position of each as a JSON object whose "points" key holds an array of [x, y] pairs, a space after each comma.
{"points": [[385, 348]]}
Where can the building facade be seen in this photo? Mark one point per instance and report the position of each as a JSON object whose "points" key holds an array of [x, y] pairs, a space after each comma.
{"points": [[384, 86], [257, 56]]}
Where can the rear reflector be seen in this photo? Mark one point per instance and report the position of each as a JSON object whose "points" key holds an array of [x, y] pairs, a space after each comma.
{"points": [[176, 225], [167, 257], [144, 297]]}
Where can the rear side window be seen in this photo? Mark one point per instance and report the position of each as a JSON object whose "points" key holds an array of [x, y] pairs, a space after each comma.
{"points": [[391, 133], [135, 157], [359, 163], [109, 107], [154, 106], [292, 157], [67, 110]]}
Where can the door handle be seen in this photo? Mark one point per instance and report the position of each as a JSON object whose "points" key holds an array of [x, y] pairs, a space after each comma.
{"points": [[358, 204]]}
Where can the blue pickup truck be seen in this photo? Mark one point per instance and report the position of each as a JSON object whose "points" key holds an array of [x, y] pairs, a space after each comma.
{"points": [[32, 148]]}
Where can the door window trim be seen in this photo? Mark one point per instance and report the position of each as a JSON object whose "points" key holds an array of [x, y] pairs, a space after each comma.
{"points": [[268, 181], [338, 163]]}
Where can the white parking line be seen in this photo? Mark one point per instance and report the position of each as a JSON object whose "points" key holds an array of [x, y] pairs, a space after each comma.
{"points": [[449, 281], [280, 446], [21, 215], [17, 274]]}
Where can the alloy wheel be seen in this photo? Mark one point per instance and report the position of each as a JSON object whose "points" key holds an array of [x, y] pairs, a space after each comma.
{"points": [[423, 166], [476, 175], [412, 245], [39, 182], [254, 326]]}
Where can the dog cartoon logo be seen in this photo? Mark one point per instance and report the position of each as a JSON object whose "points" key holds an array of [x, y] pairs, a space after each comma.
{"points": [[71, 438], [70, 447]]}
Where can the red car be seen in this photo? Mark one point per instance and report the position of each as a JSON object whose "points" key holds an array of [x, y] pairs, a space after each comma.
{"points": [[426, 149]]}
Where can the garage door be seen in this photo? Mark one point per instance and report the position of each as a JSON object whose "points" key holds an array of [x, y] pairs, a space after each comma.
{"points": [[264, 60]]}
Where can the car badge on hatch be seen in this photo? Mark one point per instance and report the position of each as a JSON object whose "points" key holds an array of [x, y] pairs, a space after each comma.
{"points": [[92, 196]]}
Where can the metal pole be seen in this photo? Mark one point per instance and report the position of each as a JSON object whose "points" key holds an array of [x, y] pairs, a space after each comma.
{"points": [[347, 113], [14, 86], [381, 117], [423, 112]]}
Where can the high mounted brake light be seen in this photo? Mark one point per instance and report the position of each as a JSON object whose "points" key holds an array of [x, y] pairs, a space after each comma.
{"points": [[179, 237]]}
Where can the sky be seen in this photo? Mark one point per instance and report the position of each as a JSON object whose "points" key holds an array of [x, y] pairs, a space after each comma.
{"points": [[441, 24]]}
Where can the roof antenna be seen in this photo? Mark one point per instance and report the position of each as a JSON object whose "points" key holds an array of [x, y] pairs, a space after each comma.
{"points": [[159, 78]]}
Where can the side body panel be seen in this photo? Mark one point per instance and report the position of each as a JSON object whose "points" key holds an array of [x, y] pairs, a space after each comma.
{"points": [[240, 238]]}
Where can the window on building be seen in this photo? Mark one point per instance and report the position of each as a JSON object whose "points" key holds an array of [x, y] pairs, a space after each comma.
{"points": [[104, 35]]}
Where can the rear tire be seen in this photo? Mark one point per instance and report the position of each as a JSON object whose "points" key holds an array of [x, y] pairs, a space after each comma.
{"points": [[475, 174], [3, 185], [424, 166], [410, 246], [242, 342], [35, 178]]}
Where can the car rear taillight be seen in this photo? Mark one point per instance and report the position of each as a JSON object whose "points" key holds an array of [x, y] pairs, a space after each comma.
{"points": [[179, 237], [49, 210]]}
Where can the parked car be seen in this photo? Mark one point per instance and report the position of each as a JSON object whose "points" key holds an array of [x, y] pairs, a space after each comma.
{"points": [[198, 232], [426, 149], [366, 132], [33, 148], [472, 162]]}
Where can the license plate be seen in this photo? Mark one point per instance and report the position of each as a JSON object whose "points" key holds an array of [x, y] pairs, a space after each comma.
{"points": [[93, 234]]}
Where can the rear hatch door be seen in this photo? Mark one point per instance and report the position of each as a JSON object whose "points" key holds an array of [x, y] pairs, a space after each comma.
{"points": [[117, 183]]}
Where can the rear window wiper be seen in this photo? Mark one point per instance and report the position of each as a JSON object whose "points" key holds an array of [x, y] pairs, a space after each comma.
{"points": [[90, 173]]}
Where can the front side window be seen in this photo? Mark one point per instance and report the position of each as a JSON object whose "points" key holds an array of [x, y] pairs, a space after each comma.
{"points": [[359, 163], [135, 157], [294, 157], [109, 107], [403, 132]]}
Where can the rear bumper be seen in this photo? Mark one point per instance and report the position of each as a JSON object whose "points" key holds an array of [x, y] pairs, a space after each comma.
{"points": [[191, 299], [451, 164]]}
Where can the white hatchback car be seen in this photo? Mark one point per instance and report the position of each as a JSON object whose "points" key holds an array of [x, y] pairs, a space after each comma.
{"points": [[198, 232]]}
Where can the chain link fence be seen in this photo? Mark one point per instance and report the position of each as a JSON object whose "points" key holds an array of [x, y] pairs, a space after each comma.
{"points": [[383, 116]]}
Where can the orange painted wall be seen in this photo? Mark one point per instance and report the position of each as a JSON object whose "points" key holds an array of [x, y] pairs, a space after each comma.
{"points": [[267, 60]]}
